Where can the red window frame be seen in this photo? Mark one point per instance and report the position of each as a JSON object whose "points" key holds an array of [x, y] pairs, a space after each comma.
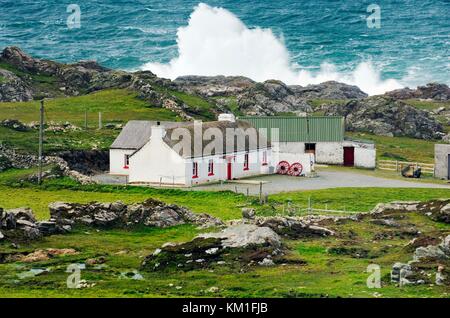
{"points": [[246, 161], [126, 160], [264, 158], [210, 167], [194, 170]]}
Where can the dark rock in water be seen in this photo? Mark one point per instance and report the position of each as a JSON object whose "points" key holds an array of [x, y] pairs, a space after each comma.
{"points": [[386, 116], [434, 91], [237, 245], [117, 214]]}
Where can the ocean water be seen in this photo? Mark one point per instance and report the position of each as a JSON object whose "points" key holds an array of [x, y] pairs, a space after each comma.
{"points": [[299, 42]]}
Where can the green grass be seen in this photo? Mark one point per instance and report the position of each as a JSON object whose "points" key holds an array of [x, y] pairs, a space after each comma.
{"points": [[427, 105], [323, 274], [58, 141], [197, 106], [116, 105], [13, 194], [2, 79], [41, 82], [400, 148]]}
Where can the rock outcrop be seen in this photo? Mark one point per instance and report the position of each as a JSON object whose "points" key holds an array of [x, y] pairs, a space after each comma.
{"points": [[430, 264], [293, 228], [433, 91], [386, 116], [21, 225], [267, 98], [239, 245], [437, 210], [13, 88], [12, 159], [117, 214]]}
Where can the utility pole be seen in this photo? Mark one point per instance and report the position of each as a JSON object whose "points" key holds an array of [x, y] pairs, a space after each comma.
{"points": [[41, 138]]}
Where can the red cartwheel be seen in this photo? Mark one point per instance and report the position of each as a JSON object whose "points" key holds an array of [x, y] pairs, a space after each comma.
{"points": [[283, 167], [295, 169]]}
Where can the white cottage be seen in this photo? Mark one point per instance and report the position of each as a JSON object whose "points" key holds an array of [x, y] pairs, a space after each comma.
{"points": [[189, 153]]}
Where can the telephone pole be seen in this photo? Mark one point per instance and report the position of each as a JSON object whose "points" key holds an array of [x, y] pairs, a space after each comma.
{"points": [[41, 138]]}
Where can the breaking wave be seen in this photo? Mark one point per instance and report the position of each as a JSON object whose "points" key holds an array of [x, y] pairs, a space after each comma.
{"points": [[217, 42]]}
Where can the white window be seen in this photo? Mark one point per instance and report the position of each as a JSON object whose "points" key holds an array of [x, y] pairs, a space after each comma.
{"points": [[246, 162], [210, 167], [264, 158], [194, 170]]}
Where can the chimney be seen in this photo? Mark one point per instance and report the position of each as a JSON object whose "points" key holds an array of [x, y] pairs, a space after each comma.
{"points": [[158, 132], [227, 117]]}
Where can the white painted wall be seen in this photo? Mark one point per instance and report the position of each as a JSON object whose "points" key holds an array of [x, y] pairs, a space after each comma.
{"points": [[330, 153], [117, 161], [156, 162], [255, 167], [327, 152]]}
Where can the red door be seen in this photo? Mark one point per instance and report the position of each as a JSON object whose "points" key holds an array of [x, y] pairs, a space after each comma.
{"points": [[229, 177], [349, 156]]}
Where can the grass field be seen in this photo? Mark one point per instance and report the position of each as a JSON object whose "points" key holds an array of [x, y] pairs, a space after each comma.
{"points": [[116, 105], [323, 274], [400, 148]]}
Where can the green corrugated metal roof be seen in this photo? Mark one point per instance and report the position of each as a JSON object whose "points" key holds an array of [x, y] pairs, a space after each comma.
{"points": [[301, 129]]}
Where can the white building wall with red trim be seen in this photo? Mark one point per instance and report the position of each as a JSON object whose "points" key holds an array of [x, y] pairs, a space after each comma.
{"points": [[327, 152], [256, 167], [157, 163], [117, 164]]}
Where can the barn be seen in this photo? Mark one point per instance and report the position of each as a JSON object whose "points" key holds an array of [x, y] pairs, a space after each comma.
{"points": [[298, 139], [181, 153]]}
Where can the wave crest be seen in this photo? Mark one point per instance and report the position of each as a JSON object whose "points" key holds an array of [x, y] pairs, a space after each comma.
{"points": [[216, 42]]}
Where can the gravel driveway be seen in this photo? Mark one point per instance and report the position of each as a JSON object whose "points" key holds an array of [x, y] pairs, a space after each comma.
{"points": [[326, 179], [276, 183]]}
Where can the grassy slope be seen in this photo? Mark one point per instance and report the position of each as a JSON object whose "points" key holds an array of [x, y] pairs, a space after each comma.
{"points": [[400, 148], [324, 274], [116, 105]]}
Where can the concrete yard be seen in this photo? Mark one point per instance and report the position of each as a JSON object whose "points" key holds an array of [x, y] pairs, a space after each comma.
{"points": [[278, 183]]}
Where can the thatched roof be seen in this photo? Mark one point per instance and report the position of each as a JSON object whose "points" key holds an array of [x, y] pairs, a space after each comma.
{"points": [[238, 136], [136, 133]]}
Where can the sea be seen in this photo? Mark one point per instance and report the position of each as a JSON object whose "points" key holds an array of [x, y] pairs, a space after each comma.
{"points": [[378, 45]]}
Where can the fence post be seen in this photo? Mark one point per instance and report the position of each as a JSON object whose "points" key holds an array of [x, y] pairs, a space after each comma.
{"points": [[260, 192], [99, 120], [396, 165]]}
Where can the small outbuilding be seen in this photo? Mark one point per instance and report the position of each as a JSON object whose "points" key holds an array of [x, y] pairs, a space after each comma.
{"points": [[321, 136], [442, 161]]}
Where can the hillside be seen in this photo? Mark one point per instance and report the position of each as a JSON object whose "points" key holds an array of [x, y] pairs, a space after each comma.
{"points": [[74, 91]]}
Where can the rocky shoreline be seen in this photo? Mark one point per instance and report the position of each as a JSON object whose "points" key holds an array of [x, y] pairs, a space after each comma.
{"points": [[388, 114]]}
